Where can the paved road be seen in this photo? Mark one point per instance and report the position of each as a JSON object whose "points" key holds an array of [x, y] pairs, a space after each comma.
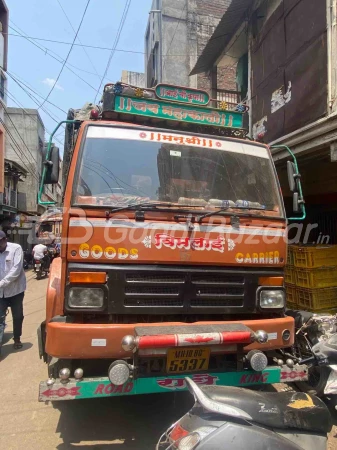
{"points": [[126, 423]]}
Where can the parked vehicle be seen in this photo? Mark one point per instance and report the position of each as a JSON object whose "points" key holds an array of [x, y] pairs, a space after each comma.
{"points": [[27, 259], [174, 250], [238, 418], [312, 332], [49, 226]]}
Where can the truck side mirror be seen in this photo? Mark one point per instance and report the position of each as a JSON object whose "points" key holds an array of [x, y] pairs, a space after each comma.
{"points": [[297, 202], [53, 167], [292, 176], [296, 205]]}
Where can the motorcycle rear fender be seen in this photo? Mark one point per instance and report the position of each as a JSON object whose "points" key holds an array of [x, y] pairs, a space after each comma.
{"points": [[251, 436]]}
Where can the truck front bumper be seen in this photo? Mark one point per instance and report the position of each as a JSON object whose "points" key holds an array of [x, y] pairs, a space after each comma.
{"points": [[102, 387], [67, 340]]}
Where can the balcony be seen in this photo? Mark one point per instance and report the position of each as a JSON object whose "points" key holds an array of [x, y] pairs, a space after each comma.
{"points": [[9, 198], [232, 98]]}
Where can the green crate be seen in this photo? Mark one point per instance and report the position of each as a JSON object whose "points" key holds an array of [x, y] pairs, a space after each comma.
{"points": [[316, 278], [310, 257]]}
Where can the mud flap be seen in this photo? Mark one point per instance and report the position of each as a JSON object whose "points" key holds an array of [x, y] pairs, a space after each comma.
{"points": [[41, 339]]}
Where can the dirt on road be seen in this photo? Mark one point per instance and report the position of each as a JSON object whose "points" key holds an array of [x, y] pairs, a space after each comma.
{"points": [[133, 423]]}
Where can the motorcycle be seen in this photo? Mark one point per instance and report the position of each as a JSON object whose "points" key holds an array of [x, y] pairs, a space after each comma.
{"points": [[313, 331], [39, 269], [236, 418], [41, 266]]}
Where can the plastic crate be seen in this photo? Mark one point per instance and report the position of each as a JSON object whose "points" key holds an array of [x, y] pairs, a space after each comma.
{"points": [[316, 278], [290, 255], [317, 299], [289, 274], [292, 298], [311, 257]]}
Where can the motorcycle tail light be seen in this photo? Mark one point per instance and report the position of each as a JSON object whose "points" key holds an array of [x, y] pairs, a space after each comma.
{"points": [[185, 440], [178, 432], [189, 442]]}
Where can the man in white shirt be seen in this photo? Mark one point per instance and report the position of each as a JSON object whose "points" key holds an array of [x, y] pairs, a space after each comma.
{"points": [[12, 287], [39, 251]]}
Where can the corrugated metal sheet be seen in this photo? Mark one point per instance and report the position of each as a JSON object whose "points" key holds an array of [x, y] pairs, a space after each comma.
{"points": [[289, 65], [229, 23]]}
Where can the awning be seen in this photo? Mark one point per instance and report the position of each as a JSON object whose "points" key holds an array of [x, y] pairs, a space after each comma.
{"points": [[223, 33]]}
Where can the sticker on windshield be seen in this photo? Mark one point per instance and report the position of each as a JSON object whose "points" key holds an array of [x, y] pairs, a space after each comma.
{"points": [[175, 153]]}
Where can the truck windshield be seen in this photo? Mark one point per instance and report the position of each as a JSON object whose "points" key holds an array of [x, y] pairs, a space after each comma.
{"points": [[120, 167]]}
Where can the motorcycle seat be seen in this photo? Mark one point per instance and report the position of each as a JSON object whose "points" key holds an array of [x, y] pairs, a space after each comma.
{"points": [[281, 410]]}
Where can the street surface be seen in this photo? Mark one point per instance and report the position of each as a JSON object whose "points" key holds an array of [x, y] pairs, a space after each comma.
{"points": [[125, 423]]}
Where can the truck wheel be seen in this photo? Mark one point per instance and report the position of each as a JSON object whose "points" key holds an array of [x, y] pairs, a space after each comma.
{"points": [[318, 377]]}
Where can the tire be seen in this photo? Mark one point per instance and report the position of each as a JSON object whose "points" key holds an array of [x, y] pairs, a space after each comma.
{"points": [[39, 275], [318, 377]]}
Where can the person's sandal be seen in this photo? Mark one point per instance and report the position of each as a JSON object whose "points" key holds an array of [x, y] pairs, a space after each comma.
{"points": [[17, 344]]}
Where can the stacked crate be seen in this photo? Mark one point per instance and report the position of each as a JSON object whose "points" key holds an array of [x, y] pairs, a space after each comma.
{"points": [[311, 278]]}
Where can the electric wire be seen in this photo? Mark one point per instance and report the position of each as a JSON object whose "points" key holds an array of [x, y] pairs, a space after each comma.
{"points": [[11, 96], [67, 57], [119, 32], [47, 51], [78, 38], [18, 150]]}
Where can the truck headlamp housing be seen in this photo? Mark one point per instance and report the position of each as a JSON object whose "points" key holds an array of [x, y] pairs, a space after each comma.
{"points": [[85, 298], [272, 298]]}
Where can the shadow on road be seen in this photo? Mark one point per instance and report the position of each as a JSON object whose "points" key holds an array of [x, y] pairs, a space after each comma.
{"points": [[7, 348], [135, 421]]}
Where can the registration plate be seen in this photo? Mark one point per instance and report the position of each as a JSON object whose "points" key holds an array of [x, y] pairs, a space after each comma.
{"points": [[193, 359]]}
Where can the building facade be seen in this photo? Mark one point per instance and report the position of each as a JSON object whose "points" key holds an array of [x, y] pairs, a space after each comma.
{"points": [[26, 148], [176, 34], [133, 78], [286, 58]]}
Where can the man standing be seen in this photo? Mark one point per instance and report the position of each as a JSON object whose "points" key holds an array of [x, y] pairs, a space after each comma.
{"points": [[12, 287]]}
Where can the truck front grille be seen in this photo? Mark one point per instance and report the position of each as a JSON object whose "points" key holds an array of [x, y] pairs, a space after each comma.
{"points": [[185, 291]]}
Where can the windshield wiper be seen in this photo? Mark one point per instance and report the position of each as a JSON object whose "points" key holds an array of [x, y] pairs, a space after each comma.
{"points": [[155, 205], [219, 211]]}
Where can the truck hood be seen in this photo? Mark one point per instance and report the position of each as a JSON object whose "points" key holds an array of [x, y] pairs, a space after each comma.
{"points": [[151, 242]]}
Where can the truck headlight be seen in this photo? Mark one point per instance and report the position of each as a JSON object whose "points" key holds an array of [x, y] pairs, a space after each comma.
{"points": [[89, 298], [272, 299]]}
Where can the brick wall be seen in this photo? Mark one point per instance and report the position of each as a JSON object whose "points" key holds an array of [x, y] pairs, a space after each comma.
{"points": [[209, 14]]}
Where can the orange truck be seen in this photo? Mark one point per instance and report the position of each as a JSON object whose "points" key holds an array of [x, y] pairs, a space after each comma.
{"points": [[49, 226], [173, 250]]}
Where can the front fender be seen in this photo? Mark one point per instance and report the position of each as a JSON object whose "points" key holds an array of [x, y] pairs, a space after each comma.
{"points": [[54, 300]]}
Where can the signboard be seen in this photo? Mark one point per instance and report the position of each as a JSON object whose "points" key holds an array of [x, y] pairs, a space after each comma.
{"points": [[183, 113], [181, 94]]}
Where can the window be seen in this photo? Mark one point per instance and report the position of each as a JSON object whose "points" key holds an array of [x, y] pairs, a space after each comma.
{"points": [[2, 87]]}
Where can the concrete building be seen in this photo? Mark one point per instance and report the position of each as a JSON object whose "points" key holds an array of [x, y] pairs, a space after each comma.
{"points": [[287, 65], [27, 130], [133, 78], [176, 34]]}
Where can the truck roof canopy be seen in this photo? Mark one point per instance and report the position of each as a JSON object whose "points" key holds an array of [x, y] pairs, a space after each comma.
{"points": [[168, 106]]}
